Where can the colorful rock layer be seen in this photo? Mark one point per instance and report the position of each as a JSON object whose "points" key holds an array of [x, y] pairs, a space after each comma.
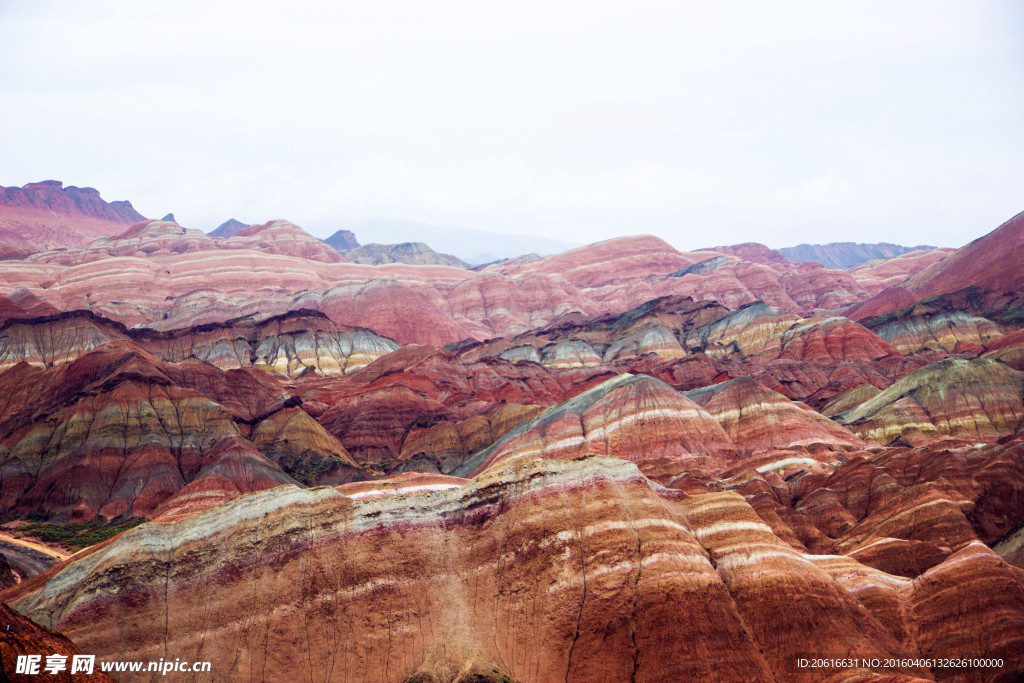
{"points": [[622, 462]]}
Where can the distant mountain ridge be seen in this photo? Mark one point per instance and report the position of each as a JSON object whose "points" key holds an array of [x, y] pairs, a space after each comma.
{"points": [[228, 228], [342, 240], [413, 253], [845, 254], [472, 246]]}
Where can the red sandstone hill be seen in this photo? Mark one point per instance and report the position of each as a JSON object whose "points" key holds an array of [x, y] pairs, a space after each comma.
{"points": [[13, 245], [23, 304], [757, 253], [569, 570], [116, 432], [281, 237], [606, 262], [964, 322], [636, 418], [689, 344], [759, 420], [978, 399], [1009, 349], [686, 343], [266, 408], [178, 278], [412, 409], [879, 274], [992, 262], [47, 215], [152, 239]]}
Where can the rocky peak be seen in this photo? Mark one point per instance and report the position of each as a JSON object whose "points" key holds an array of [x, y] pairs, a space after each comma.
{"points": [[228, 228], [342, 240], [71, 200]]}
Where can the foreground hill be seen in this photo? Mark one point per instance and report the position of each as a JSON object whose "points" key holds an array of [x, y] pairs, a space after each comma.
{"points": [[537, 571]]}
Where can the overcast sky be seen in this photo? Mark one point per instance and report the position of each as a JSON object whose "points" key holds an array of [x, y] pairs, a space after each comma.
{"points": [[707, 123]]}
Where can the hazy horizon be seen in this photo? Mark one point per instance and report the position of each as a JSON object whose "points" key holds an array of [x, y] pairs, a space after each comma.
{"points": [[390, 230], [795, 123]]}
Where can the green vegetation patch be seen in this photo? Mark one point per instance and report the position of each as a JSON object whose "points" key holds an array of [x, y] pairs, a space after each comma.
{"points": [[78, 535], [308, 471], [1013, 316]]}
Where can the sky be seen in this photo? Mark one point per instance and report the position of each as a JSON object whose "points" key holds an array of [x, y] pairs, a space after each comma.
{"points": [[703, 123]]}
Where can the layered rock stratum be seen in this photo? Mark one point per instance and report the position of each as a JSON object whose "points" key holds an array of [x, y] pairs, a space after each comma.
{"points": [[182, 277], [538, 571], [621, 462]]}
